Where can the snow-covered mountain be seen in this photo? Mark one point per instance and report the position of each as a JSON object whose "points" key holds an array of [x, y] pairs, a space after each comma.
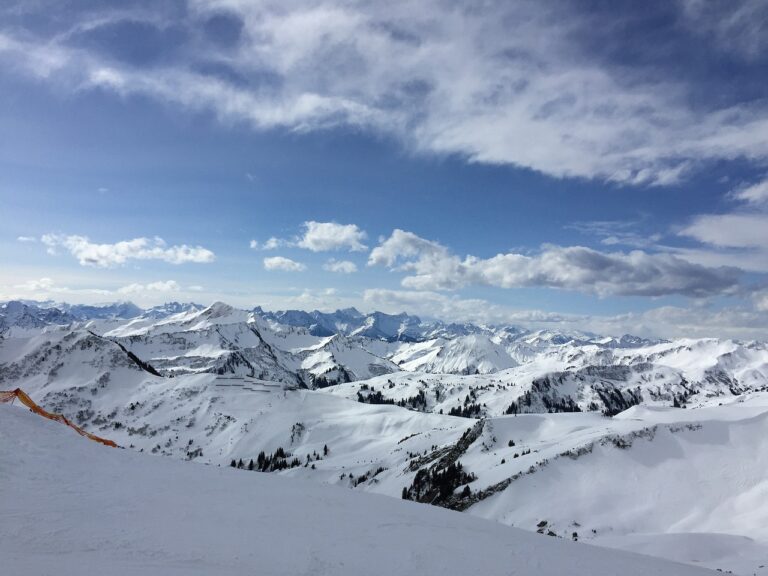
{"points": [[23, 315], [80, 506], [350, 322], [536, 409]]}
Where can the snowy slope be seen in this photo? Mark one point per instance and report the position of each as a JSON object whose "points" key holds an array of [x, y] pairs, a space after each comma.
{"points": [[472, 354], [683, 484], [78, 507]]}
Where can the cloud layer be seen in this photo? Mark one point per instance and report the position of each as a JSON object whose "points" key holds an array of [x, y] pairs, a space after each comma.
{"points": [[500, 82]]}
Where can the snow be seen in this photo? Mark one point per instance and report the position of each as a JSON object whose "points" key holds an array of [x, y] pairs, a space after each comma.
{"points": [[80, 508], [685, 484]]}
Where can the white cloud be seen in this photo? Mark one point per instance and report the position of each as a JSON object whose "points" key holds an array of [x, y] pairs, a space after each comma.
{"points": [[736, 238], [106, 255], [730, 230], [319, 237], [328, 236], [501, 83], [160, 286], [341, 266], [26, 239], [284, 264], [735, 26], [637, 273], [754, 194], [271, 244], [403, 245], [39, 285]]}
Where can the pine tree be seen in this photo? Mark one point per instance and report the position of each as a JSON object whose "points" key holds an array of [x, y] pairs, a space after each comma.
{"points": [[250, 465], [233, 463], [325, 450]]}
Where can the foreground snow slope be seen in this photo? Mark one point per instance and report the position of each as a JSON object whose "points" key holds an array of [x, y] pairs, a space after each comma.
{"points": [[70, 506]]}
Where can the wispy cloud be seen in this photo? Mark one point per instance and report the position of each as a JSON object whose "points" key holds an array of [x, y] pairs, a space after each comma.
{"points": [[501, 83], [271, 244], [340, 266], [738, 237], [617, 233], [735, 26], [106, 255]]}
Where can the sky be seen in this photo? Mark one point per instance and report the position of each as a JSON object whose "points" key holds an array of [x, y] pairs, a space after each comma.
{"points": [[598, 165]]}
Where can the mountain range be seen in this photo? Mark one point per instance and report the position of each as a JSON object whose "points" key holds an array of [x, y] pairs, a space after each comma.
{"points": [[571, 435]]}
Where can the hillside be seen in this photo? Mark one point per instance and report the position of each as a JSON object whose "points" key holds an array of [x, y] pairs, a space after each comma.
{"points": [[78, 507]]}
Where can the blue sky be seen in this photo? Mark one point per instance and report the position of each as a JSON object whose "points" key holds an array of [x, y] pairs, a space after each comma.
{"points": [[600, 169]]}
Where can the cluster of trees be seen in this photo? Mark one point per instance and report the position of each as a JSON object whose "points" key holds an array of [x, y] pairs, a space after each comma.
{"points": [[327, 379], [466, 411], [374, 398], [278, 460], [416, 402], [438, 485]]}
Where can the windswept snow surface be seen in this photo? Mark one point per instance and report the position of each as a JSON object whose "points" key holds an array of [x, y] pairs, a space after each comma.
{"points": [[72, 507]]}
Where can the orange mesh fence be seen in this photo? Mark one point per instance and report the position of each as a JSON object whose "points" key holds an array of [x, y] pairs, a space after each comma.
{"points": [[10, 396]]}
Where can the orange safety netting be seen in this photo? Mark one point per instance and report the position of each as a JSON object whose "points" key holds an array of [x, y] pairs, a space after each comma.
{"points": [[10, 396]]}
